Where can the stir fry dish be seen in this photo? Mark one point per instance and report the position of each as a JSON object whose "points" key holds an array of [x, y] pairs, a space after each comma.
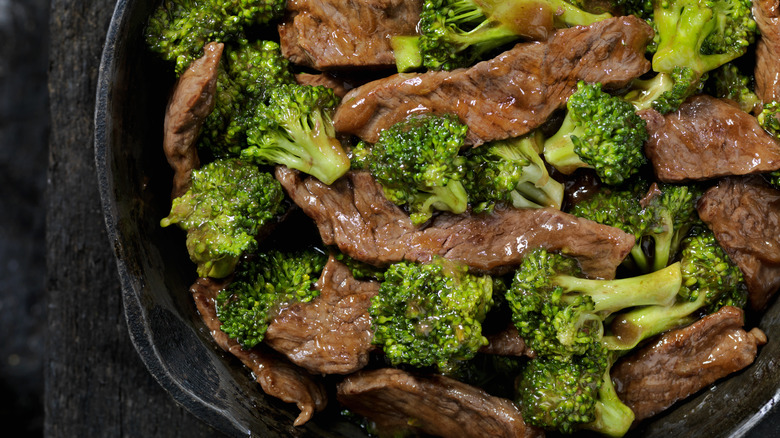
{"points": [[478, 217]]}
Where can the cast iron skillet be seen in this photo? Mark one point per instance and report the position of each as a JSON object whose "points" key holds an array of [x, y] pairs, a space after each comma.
{"points": [[155, 272]]}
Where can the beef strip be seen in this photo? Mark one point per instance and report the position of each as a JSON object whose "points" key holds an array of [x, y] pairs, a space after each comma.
{"points": [[683, 361], [767, 70], [509, 95], [744, 214], [354, 214], [277, 376], [330, 34], [332, 333], [507, 342], [397, 401], [708, 138], [191, 102]]}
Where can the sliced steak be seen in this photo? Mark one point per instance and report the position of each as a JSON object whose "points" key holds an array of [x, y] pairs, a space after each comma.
{"points": [[683, 361], [708, 138], [744, 214], [354, 215], [511, 94], [275, 374], [192, 101], [507, 342], [397, 402], [330, 34], [332, 333], [767, 70]]}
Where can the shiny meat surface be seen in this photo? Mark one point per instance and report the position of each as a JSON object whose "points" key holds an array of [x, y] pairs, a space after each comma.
{"points": [[507, 342], [767, 70], [191, 102], [509, 95], [398, 401], [329, 34], [708, 138], [684, 361], [332, 333], [277, 376], [744, 214], [354, 215]]}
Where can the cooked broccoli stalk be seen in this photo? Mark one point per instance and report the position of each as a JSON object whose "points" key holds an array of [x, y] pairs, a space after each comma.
{"points": [[264, 285], [179, 29], [729, 82], [560, 313], [458, 33], [710, 280], [431, 314], [665, 92], [510, 172], [247, 73], [294, 128], [575, 394], [599, 131], [659, 223], [417, 163], [222, 212]]}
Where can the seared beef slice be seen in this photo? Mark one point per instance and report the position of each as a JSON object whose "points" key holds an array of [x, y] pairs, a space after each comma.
{"points": [[328, 34], [708, 138], [684, 361], [397, 402], [332, 333], [511, 94], [744, 214], [767, 71]]}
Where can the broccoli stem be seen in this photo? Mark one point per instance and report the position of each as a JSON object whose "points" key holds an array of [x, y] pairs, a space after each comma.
{"points": [[644, 92], [613, 417], [406, 50], [559, 149]]}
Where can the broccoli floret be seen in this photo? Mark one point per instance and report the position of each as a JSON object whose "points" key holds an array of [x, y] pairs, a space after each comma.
{"points": [[430, 314], [560, 313], [222, 212], [179, 29], [247, 73], [457, 33], [769, 118], [295, 128], [710, 280], [729, 82], [417, 163], [665, 92], [510, 172], [600, 131], [264, 285], [575, 394]]}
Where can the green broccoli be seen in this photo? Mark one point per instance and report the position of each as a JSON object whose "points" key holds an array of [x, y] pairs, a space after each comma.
{"points": [[510, 172], [665, 92], [600, 131], [769, 119], [228, 203], [560, 313], [430, 314], [295, 128], [457, 33], [179, 29], [729, 82], [264, 285], [417, 163]]}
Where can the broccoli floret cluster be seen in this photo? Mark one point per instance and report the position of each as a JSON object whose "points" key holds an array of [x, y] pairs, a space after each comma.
{"points": [[228, 203], [729, 82], [430, 314], [263, 285]]}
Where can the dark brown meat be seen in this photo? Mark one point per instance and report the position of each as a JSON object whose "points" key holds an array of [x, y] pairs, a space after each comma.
{"points": [[354, 215], [330, 34], [277, 376], [398, 401], [708, 138], [507, 342], [511, 94], [332, 333], [684, 361], [767, 70], [191, 102], [744, 214]]}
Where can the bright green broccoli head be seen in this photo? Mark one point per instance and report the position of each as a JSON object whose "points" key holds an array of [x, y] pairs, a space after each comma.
{"points": [[430, 314], [295, 128], [264, 285], [600, 131], [729, 82], [222, 212], [769, 118], [417, 163], [179, 29], [510, 172]]}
